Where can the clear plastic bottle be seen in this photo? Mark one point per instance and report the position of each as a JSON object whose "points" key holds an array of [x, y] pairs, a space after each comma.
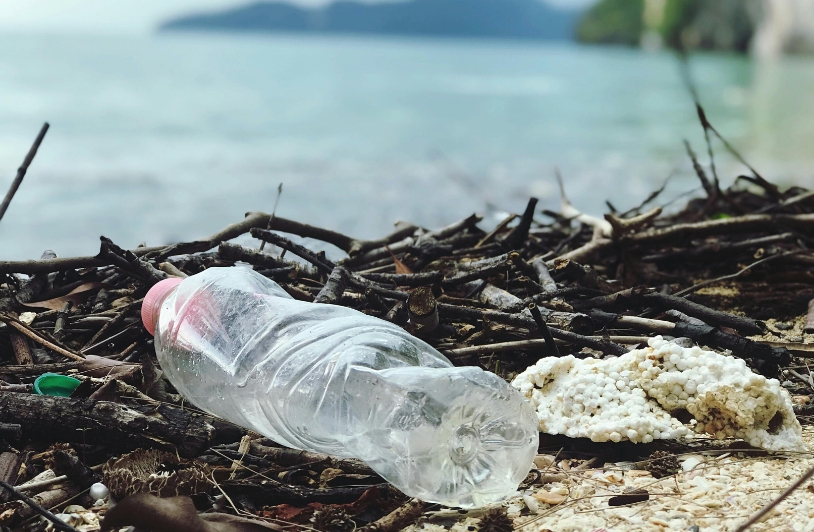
{"points": [[330, 379]]}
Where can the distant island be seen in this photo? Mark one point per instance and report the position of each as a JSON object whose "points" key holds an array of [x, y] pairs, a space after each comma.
{"points": [[506, 19]]}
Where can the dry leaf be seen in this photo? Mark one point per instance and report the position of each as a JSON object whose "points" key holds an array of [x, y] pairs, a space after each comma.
{"points": [[75, 296], [101, 367], [176, 514], [400, 266]]}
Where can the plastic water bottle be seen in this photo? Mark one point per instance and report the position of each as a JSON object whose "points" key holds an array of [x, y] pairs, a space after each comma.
{"points": [[330, 379]]}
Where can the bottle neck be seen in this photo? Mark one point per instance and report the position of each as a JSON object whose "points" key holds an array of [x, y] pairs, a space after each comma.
{"points": [[155, 297]]}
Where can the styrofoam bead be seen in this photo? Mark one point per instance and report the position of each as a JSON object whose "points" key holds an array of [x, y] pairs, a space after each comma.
{"points": [[629, 394]]}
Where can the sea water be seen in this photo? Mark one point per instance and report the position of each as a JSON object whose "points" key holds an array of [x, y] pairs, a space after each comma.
{"points": [[171, 137]]}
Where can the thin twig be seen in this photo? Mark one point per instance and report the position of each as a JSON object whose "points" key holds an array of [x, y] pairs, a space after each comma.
{"points": [[689, 82], [769, 507], [273, 212], [22, 170]]}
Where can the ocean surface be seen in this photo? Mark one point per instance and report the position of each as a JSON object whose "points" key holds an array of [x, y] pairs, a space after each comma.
{"points": [[171, 137]]}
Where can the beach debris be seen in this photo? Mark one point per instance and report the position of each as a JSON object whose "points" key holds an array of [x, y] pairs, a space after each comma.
{"points": [[157, 472], [640, 396], [148, 512], [722, 284]]}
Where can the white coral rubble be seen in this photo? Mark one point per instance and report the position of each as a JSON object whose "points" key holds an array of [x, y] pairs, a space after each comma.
{"points": [[632, 397]]}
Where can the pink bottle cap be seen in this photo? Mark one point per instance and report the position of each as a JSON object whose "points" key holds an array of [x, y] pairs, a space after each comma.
{"points": [[154, 297]]}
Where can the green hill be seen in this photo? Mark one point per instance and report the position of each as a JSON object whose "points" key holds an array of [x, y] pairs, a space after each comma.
{"points": [[690, 24]]}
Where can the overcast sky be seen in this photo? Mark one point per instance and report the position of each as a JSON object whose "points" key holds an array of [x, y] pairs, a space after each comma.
{"points": [[117, 16]]}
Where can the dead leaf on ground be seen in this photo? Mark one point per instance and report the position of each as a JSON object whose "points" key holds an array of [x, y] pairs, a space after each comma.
{"points": [[176, 514], [75, 296], [101, 367], [400, 266]]}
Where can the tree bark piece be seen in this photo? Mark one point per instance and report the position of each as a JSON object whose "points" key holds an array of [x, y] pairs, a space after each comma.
{"points": [[22, 352], [809, 326], [628, 297], [9, 469], [621, 299], [503, 300], [86, 421]]}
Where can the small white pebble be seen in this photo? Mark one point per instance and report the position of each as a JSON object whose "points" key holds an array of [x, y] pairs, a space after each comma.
{"points": [[98, 491]]}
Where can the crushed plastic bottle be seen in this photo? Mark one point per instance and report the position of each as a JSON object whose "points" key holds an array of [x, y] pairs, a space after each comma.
{"points": [[330, 379]]}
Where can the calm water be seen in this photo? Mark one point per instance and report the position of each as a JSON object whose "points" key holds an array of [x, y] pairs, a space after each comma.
{"points": [[156, 139]]}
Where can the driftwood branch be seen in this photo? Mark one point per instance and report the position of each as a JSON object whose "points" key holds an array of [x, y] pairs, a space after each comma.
{"points": [[100, 422], [735, 224], [321, 263]]}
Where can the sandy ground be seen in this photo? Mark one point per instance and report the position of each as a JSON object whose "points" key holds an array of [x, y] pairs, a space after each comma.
{"points": [[718, 494], [714, 492]]}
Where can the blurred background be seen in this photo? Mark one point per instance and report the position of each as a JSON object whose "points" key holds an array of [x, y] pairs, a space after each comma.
{"points": [[172, 118]]}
